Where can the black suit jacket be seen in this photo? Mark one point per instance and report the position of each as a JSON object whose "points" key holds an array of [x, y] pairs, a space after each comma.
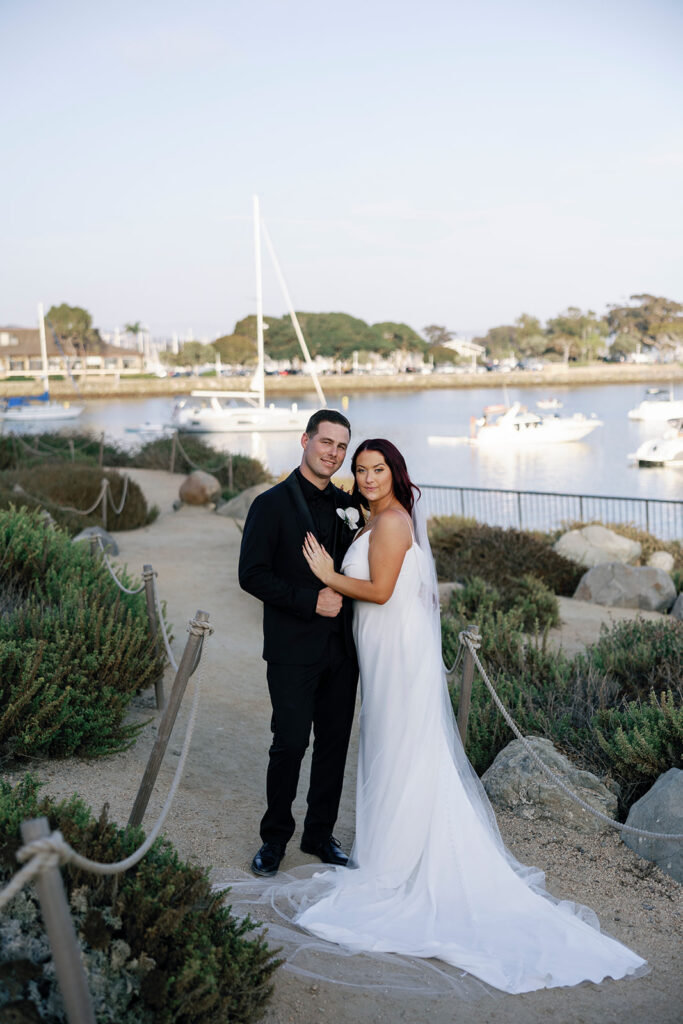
{"points": [[272, 567]]}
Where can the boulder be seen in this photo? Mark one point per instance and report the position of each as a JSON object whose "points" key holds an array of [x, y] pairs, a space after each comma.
{"points": [[626, 586], [199, 488], [108, 542], [661, 560], [677, 609], [514, 782], [238, 506], [660, 810], [594, 545], [445, 591]]}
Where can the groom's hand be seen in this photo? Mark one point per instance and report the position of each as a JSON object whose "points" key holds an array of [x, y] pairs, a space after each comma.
{"points": [[329, 603]]}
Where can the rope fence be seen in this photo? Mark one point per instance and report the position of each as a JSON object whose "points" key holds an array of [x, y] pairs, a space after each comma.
{"points": [[43, 852], [470, 639]]}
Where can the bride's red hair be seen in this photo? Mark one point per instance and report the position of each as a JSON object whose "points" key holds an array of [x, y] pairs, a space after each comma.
{"points": [[403, 485]]}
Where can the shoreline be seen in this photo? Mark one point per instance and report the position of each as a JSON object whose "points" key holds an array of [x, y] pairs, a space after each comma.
{"points": [[553, 376]]}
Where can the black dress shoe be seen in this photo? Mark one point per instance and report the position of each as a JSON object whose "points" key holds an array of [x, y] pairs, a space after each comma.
{"points": [[329, 851], [267, 860]]}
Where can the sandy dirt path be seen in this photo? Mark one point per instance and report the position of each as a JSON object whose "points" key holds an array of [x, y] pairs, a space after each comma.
{"points": [[216, 813]]}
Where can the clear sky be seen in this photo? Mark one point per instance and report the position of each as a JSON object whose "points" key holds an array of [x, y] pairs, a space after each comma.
{"points": [[441, 161]]}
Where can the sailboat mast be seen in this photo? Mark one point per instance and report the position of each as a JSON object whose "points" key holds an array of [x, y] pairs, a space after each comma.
{"points": [[43, 345], [294, 319], [260, 372]]}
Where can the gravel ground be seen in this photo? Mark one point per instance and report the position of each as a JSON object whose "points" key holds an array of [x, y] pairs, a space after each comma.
{"points": [[215, 817]]}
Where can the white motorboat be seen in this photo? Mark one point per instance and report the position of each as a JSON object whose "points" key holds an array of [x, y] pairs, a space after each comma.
{"points": [[36, 408], [520, 427], [549, 403], [242, 411], [666, 450], [517, 426], [658, 406]]}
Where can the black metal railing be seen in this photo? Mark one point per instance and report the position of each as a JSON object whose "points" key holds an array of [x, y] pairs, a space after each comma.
{"points": [[547, 510]]}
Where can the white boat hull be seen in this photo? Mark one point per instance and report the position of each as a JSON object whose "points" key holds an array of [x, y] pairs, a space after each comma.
{"points": [[36, 414], [555, 431], [661, 451], [657, 412], [199, 418]]}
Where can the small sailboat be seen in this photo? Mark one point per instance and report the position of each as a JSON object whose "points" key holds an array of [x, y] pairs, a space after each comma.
{"points": [[246, 411], [38, 408]]}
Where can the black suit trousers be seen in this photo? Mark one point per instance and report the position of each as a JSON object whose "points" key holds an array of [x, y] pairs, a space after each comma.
{"points": [[321, 697]]}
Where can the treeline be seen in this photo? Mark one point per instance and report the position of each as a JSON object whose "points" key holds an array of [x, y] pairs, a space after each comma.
{"points": [[575, 334]]}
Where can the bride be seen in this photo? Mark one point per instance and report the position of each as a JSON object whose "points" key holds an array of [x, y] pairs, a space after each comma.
{"points": [[429, 875]]}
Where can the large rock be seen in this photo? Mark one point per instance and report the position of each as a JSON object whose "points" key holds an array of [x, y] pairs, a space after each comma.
{"points": [[199, 488], [626, 586], [238, 506], [108, 543], [594, 545], [515, 783], [660, 810], [677, 610], [661, 560]]}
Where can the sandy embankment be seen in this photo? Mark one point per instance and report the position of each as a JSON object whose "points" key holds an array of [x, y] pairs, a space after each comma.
{"points": [[216, 813]]}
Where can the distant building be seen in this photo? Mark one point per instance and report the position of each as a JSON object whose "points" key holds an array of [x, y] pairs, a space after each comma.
{"points": [[20, 355]]}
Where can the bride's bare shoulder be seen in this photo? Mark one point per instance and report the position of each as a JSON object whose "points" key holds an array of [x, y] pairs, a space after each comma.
{"points": [[393, 523]]}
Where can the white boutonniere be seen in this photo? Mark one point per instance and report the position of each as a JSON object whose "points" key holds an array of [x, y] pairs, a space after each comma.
{"points": [[350, 516]]}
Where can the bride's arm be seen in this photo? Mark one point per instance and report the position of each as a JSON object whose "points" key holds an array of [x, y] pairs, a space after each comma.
{"points": [[389, 541]]}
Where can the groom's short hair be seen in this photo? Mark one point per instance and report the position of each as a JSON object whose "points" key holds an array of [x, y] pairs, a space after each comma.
{"points": [[326, 416]]}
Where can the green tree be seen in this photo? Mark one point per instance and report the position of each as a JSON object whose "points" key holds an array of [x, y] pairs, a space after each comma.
{"points": [[235, 348], [194, 353], [74, 328], [530, 339], [437, 335], [653, 320], [500, 342], [398, 336], [575, 334], [134, 328]]}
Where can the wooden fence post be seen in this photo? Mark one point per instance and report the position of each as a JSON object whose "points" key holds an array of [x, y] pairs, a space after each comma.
{"points": [[231, 479], [174, 442], [466, 687], [61, 932], [94, 546], [105, 498], [188, 664], [100, 458], [148, 577]]}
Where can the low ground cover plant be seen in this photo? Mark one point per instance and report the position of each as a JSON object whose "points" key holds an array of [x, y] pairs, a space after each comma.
{"points": [[464, 549], [60, 488], [616, 710], [73, 647], [159, 947]]}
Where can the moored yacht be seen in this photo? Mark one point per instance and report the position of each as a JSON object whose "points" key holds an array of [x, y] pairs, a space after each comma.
{"points": [[658, 405], [666, 450]]}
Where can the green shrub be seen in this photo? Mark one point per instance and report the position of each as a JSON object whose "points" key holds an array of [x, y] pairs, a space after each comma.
{"points": [[463, 550], [583, 704], [73, 647], [192, 452], [158, 945], [641, 741], [534, 605], [60, 488], [641, 655]]}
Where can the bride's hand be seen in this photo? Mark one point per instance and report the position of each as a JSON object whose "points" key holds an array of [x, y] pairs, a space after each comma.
{"points": [[320, 562]]}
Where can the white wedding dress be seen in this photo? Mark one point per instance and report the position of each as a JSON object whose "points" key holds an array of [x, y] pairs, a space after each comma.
{"points": [[430, 877]]}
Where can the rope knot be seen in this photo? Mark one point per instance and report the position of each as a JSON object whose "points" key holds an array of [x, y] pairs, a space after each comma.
{"points": [[51, 850], [198, 627], [470, 637]]}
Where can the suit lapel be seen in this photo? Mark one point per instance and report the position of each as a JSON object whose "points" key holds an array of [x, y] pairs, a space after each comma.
{"points": [[303, 513]]}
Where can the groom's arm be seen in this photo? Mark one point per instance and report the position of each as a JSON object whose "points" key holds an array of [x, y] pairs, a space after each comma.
{"points": [[260, 542]]}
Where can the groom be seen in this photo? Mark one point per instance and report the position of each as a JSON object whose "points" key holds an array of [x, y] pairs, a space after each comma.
{"points": [[312, 669]]}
